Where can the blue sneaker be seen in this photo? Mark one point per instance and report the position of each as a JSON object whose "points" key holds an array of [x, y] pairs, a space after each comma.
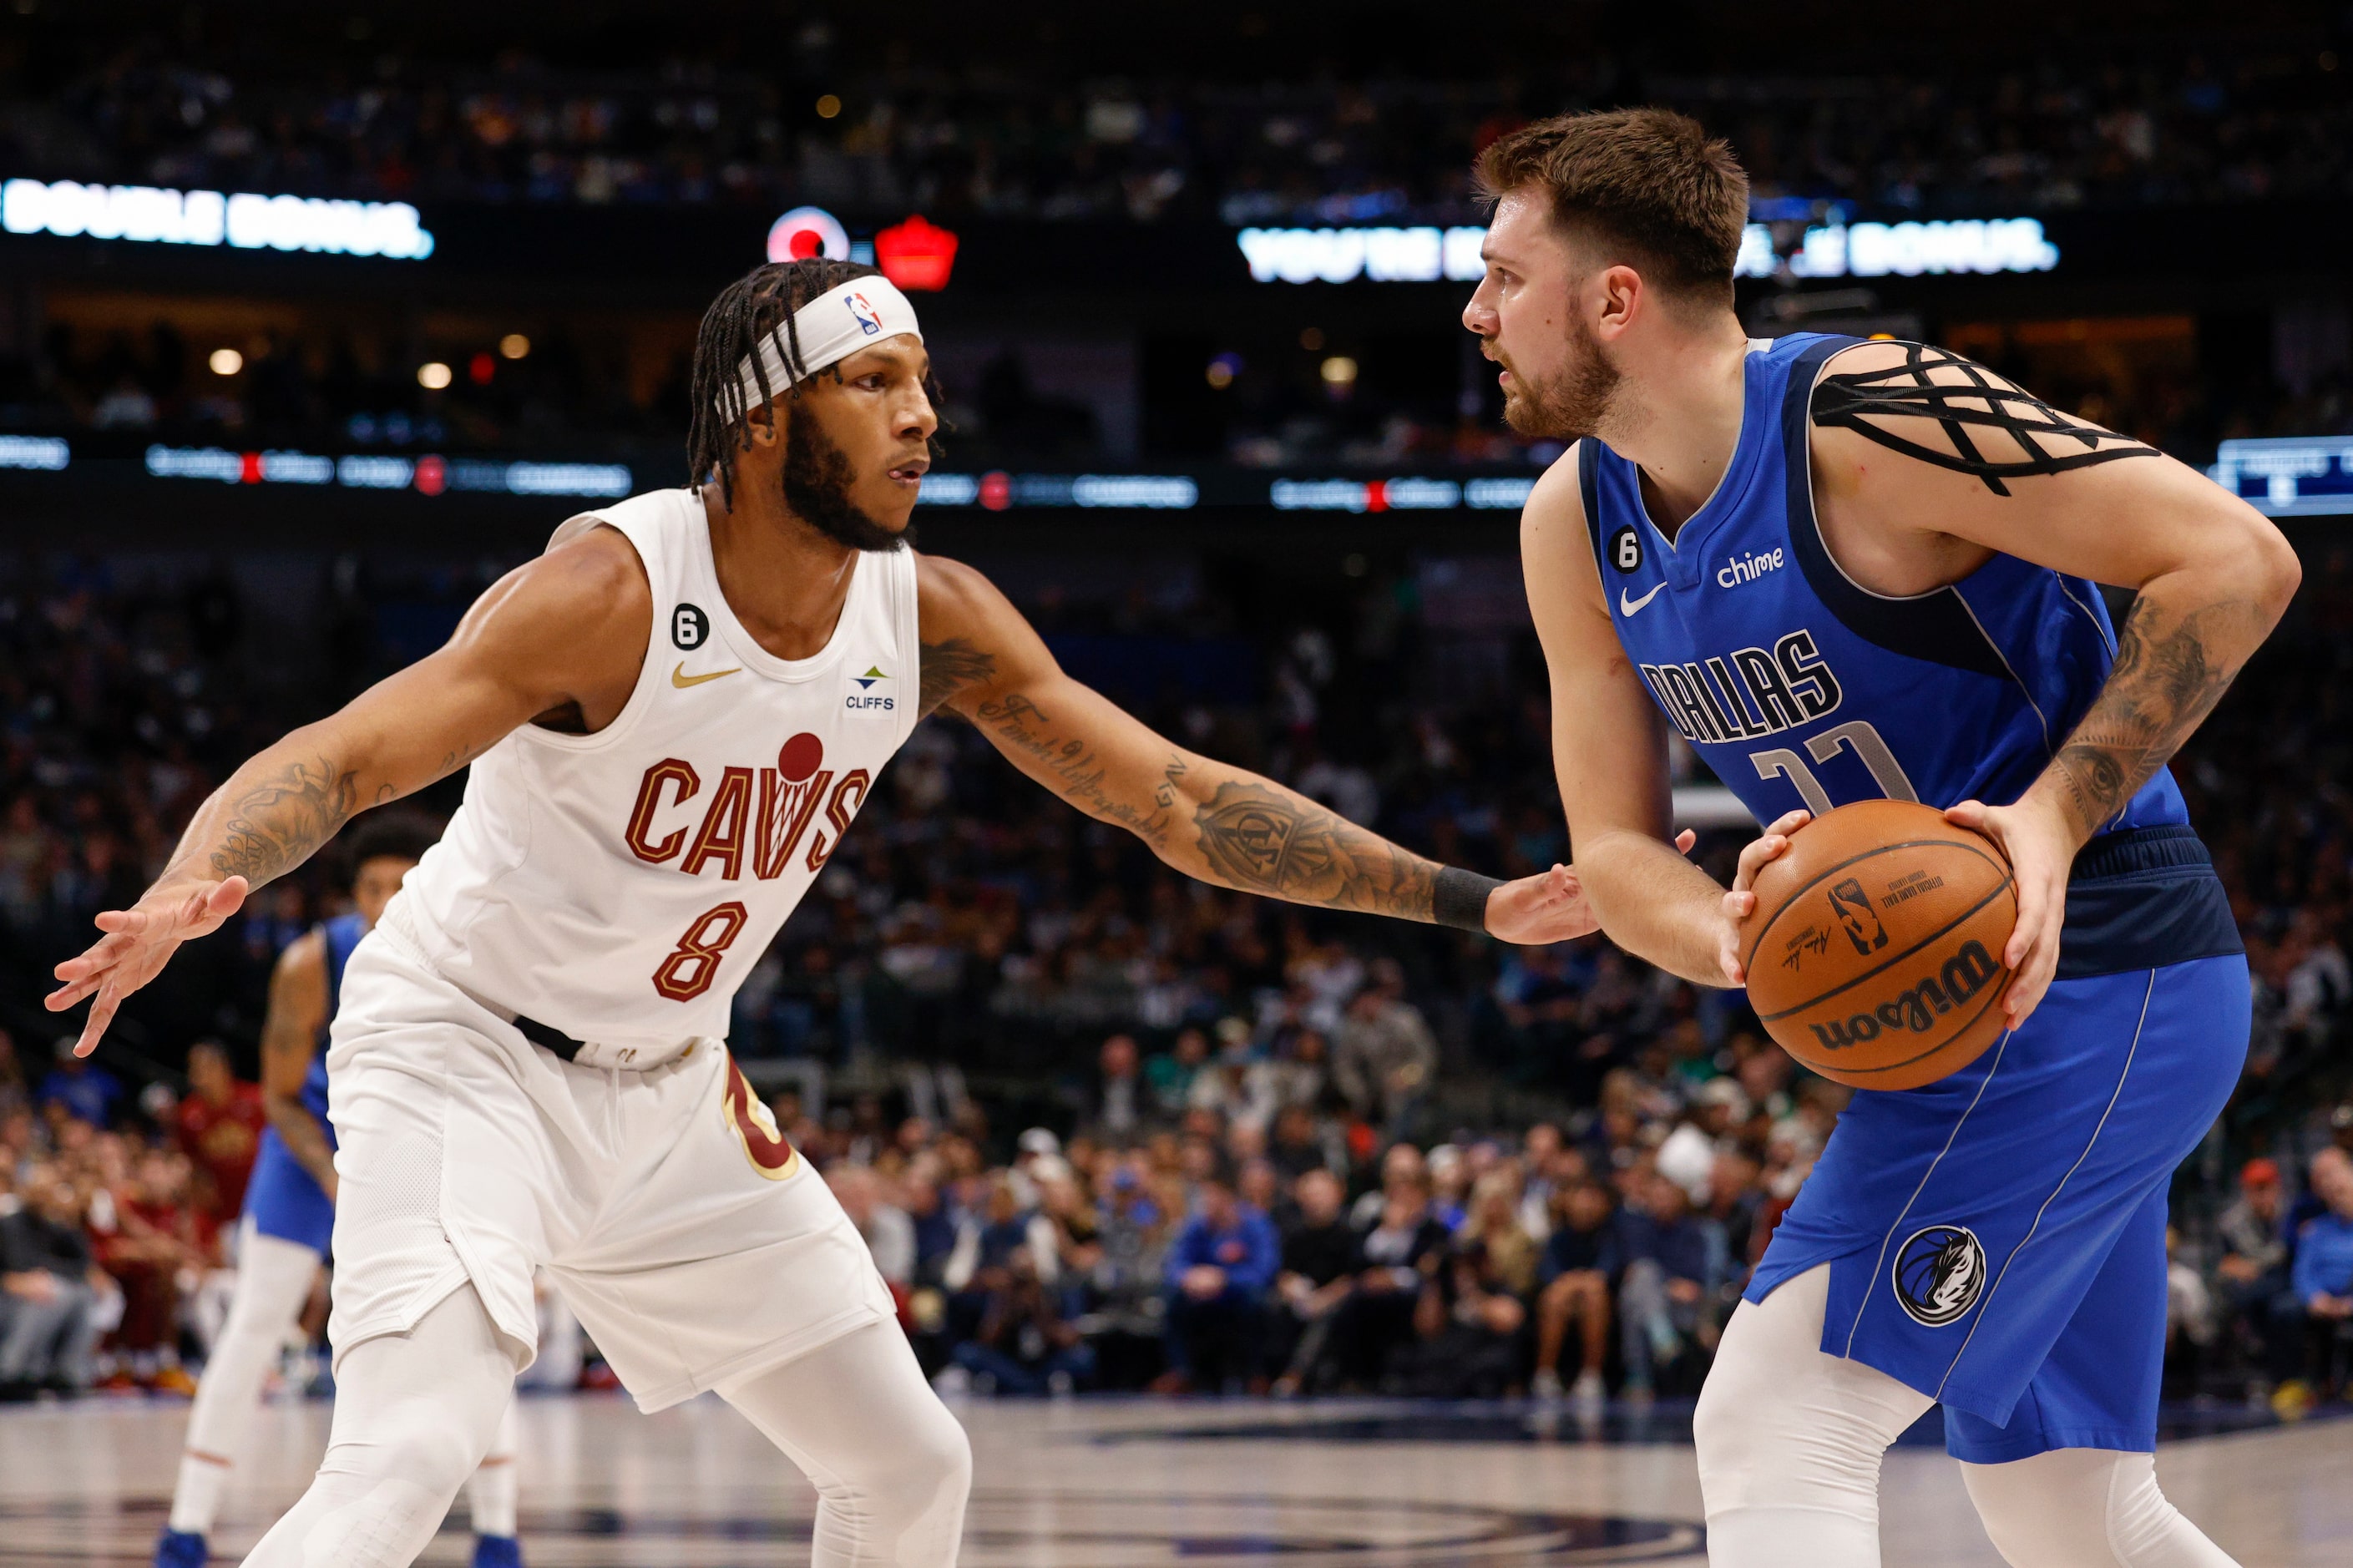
{"points": [[178, 1549], [497, 1551]]}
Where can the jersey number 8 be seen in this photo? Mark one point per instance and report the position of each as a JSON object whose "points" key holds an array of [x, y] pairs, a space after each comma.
{"points": [[693, 964]]}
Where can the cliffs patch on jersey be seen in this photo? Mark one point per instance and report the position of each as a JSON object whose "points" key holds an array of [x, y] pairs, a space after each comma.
{"points": [[758, 814]]}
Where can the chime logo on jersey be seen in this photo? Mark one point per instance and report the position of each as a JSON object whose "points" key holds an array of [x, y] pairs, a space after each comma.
{"points": [[787, 797], [1748, 568], [1748, 692], [1939, 1273]]}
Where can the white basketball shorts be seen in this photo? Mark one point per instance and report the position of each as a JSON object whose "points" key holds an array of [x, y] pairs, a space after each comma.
{"points": [[696, 1247]]}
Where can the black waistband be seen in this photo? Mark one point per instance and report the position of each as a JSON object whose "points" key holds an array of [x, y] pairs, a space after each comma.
{"points": [[2142, 898], [548, 1036], [2131, 850]]}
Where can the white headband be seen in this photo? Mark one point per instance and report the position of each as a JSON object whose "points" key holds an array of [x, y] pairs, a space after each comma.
{"points": [[831, 327]]}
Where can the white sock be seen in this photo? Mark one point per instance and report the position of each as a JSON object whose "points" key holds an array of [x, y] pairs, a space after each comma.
{"points": [[491, 1494], [273, 1280]]}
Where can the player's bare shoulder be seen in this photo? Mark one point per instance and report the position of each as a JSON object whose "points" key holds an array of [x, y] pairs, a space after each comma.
{"points": [[1555, 553], [565, 632], [959, 613]]}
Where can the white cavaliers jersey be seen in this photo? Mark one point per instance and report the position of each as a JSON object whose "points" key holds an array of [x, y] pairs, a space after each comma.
{"points": [[619, 886]]}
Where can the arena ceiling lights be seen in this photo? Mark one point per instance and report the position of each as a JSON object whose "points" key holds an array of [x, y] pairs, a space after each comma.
{"points": [[1429, 255], [150, 214]]}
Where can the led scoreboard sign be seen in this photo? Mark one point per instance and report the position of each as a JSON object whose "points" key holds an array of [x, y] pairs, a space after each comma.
{"points": [[242, 220]]}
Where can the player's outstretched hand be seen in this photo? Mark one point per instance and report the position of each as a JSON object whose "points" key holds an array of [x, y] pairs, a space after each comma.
{"points": [[2042, 847], [1740, 902], [1550, 906], [138, 941]]}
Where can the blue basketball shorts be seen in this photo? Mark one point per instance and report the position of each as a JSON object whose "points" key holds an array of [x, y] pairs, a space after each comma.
{"points": [[1997, 1240], [286, 1201]]}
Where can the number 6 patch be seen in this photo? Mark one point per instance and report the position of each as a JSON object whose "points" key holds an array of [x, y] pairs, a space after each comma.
{"points": [[1626, 550]]}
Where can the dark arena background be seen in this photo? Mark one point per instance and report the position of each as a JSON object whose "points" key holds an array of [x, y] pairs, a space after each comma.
{"points": [[316, 319]]}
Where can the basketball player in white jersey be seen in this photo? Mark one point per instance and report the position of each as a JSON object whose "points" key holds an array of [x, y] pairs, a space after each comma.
{"points": [[672, 716]]}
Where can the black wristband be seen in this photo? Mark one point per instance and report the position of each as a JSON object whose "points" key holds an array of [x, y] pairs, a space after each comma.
{"points": [[1459, 899]]}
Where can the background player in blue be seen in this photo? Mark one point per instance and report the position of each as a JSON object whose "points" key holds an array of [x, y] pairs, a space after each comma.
{"points": [[290, 1215], [1844, 570]]}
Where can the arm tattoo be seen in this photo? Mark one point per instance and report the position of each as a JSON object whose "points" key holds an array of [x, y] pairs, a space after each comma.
{"points": [[2163, 683], [948, 668], [275, 824], [2046, 440], [1268, 840], [1022, 725]]}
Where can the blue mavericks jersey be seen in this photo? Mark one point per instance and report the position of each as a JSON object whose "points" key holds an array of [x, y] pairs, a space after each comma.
{"points": [[344, 933], [1800, 687]]}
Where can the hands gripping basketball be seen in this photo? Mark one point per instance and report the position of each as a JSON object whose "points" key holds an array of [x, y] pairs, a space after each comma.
{"points": [[2040, 851], [138, 943]]}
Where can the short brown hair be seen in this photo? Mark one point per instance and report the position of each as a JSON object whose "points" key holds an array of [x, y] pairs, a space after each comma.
{"points": [[1647, 179]]}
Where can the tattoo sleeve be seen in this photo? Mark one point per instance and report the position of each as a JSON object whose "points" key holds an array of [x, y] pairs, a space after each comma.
{"points": [[274, 823], [1264, 839], [947, 668], [2165, 680], [1995, 432]]}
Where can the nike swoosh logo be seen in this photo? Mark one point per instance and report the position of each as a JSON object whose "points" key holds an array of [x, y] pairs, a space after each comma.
{"points": [[1626, 606], [680, 679]]}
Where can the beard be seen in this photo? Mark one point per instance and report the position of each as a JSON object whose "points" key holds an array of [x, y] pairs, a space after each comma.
{"points": [[1572, 404], [817, 483]]}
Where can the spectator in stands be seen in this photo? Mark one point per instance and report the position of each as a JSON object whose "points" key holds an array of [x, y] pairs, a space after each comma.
{"points": [[889, 1231], [2252, 1270], [1319, 1256], [1170, 1074], [1120, 1100], [1494, 1226], [84, 1089], [1403, 1248], [1384, 1058], [1466, 1329], [1024, 1345], [50, 1288], [12, 1093], [1581, 1265], [1132, 1310], [1676, 1268], [2322, 1277], [151, 1248], [1295, 1146], [1219, 1272], [218, 1125]]}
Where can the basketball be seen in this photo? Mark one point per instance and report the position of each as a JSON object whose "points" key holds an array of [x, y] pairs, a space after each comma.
{"points": [[1875, 951]]}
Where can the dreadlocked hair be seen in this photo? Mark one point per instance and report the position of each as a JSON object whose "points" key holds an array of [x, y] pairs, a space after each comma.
{"points": [[757, 307]]}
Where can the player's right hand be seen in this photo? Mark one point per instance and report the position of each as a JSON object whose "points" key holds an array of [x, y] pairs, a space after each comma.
{"points": [[138, 943], [1739, 903]]}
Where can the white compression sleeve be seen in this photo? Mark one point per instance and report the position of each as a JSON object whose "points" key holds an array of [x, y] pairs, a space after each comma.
{"points": [[890, 1466], [414, 1412], [1789, 1438], [273, 1279], [2086, 1508], [491, 1494]]}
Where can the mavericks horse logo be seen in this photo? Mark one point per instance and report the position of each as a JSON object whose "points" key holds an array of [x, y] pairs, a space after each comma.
{"points": [[1939, 1273]]}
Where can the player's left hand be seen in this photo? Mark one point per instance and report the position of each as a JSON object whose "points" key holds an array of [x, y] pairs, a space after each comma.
{"points": [[1550, 906], [2041, 843]]}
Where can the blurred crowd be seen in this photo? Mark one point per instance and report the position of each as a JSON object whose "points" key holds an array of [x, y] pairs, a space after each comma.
{"points": [[835, 122], [1102, 1126]]}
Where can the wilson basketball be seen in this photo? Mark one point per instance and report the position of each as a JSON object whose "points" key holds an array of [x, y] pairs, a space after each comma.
{"points": [[1875, 951]]}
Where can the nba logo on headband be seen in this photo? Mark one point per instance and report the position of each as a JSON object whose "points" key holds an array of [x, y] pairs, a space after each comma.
{"points": [[870, 320]]}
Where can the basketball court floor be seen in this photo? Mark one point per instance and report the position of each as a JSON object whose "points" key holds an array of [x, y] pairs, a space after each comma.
{"points": [[1134, 1484]]}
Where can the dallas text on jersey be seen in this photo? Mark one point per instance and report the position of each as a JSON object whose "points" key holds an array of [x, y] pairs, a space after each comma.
{"points": [[1747, 692]]}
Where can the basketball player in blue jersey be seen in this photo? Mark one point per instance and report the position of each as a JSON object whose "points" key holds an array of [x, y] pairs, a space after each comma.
{"points": [[290, 1215], [1842, 571]]}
